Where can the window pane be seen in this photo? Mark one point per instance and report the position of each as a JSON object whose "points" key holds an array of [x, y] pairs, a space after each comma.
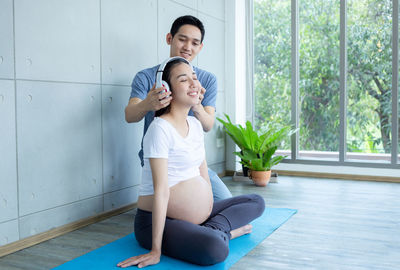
{"points": [[369, 81], [319, 83], [272, 52]]}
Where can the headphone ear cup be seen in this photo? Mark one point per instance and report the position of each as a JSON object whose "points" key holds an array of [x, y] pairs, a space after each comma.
{"points": [[165, 84]]}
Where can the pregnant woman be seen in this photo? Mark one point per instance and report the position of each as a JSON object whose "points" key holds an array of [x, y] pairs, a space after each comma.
{"points": [[176, 215]]}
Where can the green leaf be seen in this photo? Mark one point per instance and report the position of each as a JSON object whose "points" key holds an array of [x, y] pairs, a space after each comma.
{"points": [[256, 149]]}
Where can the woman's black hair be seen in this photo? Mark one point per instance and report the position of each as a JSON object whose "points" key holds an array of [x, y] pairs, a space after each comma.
{"points": [[167, 77]]}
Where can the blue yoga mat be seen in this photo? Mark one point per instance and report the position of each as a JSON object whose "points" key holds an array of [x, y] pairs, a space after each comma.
{"points": [[109, 255]]}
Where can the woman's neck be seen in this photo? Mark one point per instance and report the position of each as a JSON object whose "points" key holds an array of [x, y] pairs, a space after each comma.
{"points": [[177, 116]]}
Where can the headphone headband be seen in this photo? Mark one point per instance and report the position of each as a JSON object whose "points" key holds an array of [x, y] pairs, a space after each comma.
{"points": [[162, 66]]}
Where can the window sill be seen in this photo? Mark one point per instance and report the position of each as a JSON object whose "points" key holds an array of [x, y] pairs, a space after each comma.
{"points": [[338, 172]]}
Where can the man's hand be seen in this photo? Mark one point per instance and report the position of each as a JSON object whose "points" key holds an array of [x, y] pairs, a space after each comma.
{"points": [[204, 114], [197, 107], [142, 260], [201, 95], [156, 100]]}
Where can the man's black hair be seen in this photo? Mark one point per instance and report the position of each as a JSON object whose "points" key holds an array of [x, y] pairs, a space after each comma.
{"points": [[187, 19]]}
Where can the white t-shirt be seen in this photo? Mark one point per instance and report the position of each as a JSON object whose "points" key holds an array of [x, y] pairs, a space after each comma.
{"points": [[184, 154]]}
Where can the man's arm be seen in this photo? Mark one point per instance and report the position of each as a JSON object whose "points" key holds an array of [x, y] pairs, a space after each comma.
{"points": [[135, 111], [138, 108], [205, 115]]}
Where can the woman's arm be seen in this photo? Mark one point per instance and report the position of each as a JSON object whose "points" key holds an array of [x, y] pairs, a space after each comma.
{"points": [[204, 171], [159, 169]]}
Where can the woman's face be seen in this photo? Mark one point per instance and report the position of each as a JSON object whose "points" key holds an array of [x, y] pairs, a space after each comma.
{"points": [[184, 84]]}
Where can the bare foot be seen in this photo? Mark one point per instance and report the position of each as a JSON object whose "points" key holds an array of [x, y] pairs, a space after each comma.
{"points": [[241, 231]]}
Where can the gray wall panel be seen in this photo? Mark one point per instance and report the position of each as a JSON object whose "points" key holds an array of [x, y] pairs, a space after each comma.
{"points": [[59, 144], [56, 217], [69, 154], [120, 198], [9, 232], [7, 39], [214, 139], [121, 141], [8, 165], [215, 8], [168, 11], [63, 38], [212, 56], [188, 3], [219, 168], [129, 40]]}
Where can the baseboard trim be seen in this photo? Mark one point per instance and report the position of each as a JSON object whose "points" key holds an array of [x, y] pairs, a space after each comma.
{"points": [[47, 235], [333, 176], [339, 176], [229, 173], [220, 175]]}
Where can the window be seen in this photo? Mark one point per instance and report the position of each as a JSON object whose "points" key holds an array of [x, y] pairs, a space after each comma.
{"points": [[369, 80], [272, 64], [342, 98], [319, 82]]}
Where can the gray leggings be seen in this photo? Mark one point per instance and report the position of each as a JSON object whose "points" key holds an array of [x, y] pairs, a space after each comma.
{"points": [[206, 243]]}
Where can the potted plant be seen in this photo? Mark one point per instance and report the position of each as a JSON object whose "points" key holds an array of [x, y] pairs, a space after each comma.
{"points": [[239, 136], [257, 149]]}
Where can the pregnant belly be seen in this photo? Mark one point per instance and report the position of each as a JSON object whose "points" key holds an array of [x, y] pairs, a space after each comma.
{"points": [[190, 200]]}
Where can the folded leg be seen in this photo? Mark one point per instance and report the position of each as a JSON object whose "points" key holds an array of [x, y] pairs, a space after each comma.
{"points": [[235, 212], [204, 244], [184, 240]]}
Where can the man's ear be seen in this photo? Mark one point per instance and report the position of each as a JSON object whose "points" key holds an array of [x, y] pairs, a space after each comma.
{"points": [[201, 46], [169, 38]]}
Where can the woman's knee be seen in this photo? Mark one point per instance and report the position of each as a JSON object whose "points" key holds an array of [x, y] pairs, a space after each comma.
{"points": [[143, 231], [215, 250], [259, 203]]}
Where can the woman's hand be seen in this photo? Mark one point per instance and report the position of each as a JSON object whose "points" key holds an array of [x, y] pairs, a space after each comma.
{"points": [[150, 258]]}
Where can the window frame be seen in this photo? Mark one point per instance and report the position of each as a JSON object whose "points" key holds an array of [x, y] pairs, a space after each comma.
{"points": [[295, 113]]}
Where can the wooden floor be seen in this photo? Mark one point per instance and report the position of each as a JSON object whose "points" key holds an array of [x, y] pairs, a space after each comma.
{"points": [[339, 225]]}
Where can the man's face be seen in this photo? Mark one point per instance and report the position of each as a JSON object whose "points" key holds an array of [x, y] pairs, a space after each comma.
{"points": [[186, 42]]}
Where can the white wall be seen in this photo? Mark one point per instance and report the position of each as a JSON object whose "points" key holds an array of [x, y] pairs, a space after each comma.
{"points": [[66, 152], [237, 94]]}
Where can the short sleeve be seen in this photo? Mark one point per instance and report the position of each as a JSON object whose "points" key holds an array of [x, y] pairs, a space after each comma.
{"points": [[139, 89], [209, 82], [155, 142]]}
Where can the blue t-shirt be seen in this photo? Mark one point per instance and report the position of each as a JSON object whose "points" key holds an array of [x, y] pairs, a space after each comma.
{"points": [[144, 80]]}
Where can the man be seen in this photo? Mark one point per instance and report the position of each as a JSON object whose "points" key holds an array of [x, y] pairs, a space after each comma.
{"points": [[185, 40]]}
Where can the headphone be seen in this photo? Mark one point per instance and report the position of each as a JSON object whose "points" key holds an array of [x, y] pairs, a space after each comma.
{"points": [[160, 70]]}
